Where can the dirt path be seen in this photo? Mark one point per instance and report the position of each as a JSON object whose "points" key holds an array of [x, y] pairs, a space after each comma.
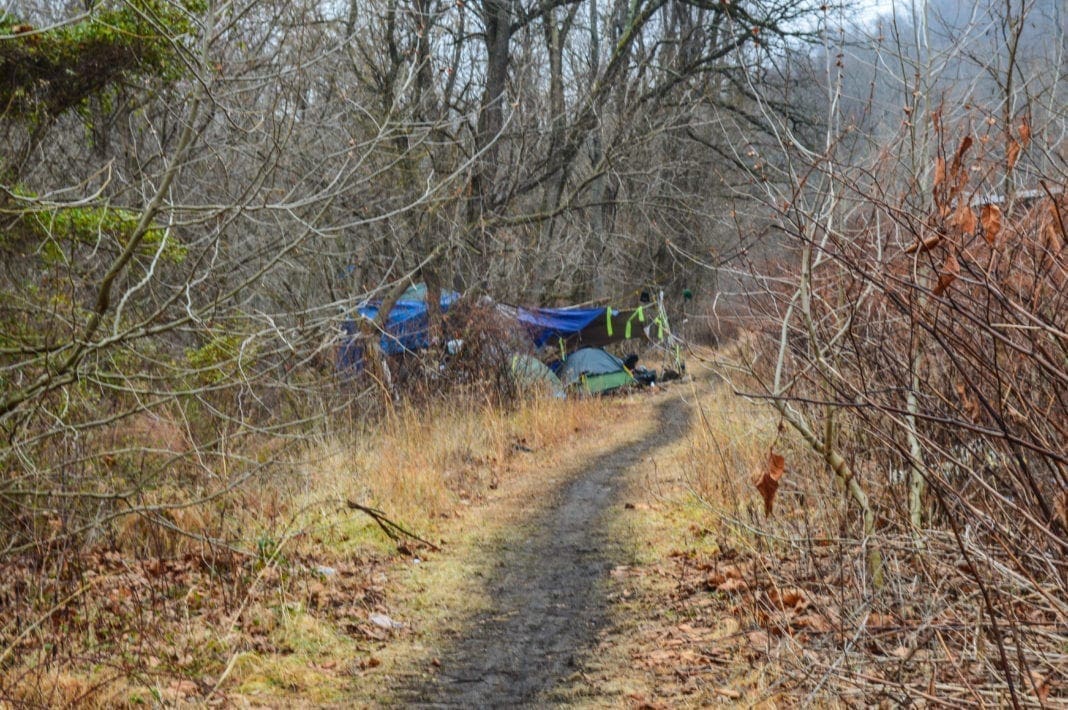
{"points": [[548, 591]]}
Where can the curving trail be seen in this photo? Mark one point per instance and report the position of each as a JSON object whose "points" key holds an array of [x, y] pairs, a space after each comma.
{"points": [[549, 591]]}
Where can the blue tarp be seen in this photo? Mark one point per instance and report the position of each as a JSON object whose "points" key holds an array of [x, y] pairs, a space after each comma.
{"points": [[407, 328], [550, 324]]}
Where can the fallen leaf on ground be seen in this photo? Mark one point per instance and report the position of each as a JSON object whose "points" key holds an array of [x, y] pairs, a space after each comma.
{"points": [[733, 585], [814, 622], [788, 598]]}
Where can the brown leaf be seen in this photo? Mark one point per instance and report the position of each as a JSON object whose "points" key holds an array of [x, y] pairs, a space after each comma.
{"points": [[940, 172], [180, 689], [1060, 508], [640, 703], [758, 639], [964, 218], [958, 159], [956, 172], [811, 621], [768, 483], [733, 585], [734, 572], [1025, 132], [792, 597], [926, 245], [881, 621], [1041, 685], [1056, 229], [1051, 240], [787, 599], [1013, 153], [950, 272], [990, 217], [968, 402]]}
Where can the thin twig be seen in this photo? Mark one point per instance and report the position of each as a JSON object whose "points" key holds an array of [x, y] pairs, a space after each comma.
{"points": [[389, 527]]}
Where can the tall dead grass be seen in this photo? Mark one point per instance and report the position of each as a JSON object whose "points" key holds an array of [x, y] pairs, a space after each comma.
{"points": [[419, 463], [423, 462], [732, 438]]}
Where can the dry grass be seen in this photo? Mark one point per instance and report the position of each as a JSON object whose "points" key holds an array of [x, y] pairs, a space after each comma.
{"points": [[427, 464], [83, 690], [281, 631], [728, 449], [729, 444], [310, 661]]}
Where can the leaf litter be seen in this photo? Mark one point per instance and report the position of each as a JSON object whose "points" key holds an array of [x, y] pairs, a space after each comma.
{"points": [[189, 615]]}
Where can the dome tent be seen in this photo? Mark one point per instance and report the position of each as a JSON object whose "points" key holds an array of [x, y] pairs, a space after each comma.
{"points": [[594, 371], [529, 373]]}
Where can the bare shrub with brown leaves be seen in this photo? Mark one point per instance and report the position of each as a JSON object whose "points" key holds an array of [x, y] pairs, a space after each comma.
{"points": [[924, 357]]}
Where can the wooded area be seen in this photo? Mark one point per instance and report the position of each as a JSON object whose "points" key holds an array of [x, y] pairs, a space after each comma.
{"points": [[868, 206]]}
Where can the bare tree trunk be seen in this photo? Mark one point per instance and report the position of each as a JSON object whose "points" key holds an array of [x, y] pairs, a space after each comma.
{"points": [[497, 17]]}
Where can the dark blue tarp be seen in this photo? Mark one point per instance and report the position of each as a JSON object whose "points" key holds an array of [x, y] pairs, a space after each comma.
{"points": [[407, 328], [550, 324]]}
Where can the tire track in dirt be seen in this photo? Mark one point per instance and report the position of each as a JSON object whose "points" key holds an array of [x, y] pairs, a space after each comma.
{"points": [[549, 590]]}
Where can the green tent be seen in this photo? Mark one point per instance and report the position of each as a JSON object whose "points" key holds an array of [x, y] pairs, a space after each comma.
{"points": [[530, 372], [594, 371]]}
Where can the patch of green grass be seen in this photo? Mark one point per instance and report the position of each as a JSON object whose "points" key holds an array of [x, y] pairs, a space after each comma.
{"points": [[311, 663]]}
